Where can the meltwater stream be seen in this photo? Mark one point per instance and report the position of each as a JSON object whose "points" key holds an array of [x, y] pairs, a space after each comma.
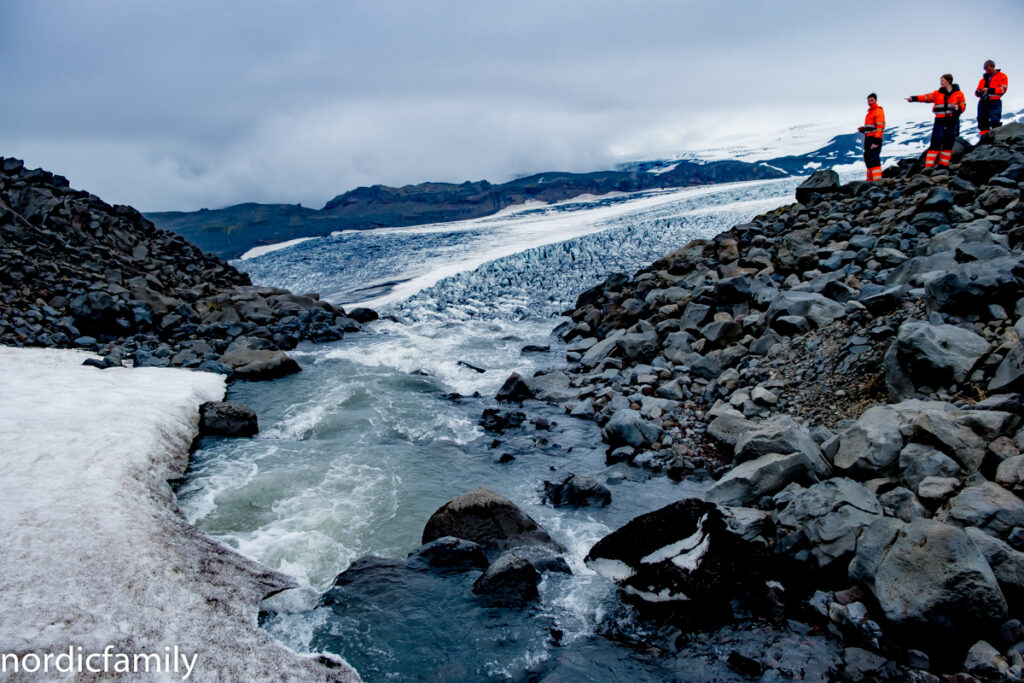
{"points": [[358, 450]]}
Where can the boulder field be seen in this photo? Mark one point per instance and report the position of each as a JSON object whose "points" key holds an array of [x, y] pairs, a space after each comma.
{"points": [[848, 370]]}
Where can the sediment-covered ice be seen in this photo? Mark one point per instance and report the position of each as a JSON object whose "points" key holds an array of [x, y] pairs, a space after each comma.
{"points": [[96, 556]]}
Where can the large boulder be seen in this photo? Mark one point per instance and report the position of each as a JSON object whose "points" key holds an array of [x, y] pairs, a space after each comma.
{"points": [[817, 308], [217, 418], [512, 578], [490, 519], [749, 481], [918, 461], [515, 389], [779, 434], [1007, 564], [985, 161], [989, 507], [1010, 373], [250, 358], [682, 552], [926, 355], [929, 576], [100, 315], [821, 523], [628, 428], [823, 181], [871, 446], [971, 287]]}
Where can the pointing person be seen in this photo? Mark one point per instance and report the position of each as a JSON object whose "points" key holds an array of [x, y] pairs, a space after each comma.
{"points": [[991, 88], [947, 104], [874, 124]]}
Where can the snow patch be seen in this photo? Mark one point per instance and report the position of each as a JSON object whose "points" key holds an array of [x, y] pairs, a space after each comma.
{"points": [[96, 553], [673, 549], [616, 570]]}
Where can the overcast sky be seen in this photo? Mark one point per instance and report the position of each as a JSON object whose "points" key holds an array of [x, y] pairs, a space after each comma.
{"points": [[186, 104]]}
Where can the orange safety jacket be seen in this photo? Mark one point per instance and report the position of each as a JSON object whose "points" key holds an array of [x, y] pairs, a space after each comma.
{"points": [[946, 103], [998, 82], [874, 122]]}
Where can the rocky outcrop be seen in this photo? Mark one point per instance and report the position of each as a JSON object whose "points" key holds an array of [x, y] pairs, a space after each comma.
{"points": [[76, 272]]}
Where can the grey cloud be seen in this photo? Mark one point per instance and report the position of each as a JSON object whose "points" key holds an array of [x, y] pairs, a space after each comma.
{"points": [[188, 104]]}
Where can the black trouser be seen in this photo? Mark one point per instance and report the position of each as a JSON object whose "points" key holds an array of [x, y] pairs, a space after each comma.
{"points": [[989, 113], [872, 151], [944, 132]]}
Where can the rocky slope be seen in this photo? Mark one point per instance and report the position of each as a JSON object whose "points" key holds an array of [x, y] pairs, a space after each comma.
{"points": [[848, 368], [232, 231], [76, 272]]}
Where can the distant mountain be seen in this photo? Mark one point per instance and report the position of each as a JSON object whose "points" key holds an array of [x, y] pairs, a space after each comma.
{"points": [[231, 231]]}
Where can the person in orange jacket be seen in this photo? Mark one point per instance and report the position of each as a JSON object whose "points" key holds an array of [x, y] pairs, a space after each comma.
{"points": [[991, 88], [874, 124], [947, 103]]}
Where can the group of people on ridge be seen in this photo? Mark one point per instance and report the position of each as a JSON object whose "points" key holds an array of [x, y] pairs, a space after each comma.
{"points": [[948, 104]]}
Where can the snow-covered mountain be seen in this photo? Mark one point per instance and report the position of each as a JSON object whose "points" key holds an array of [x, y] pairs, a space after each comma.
{"points": [[798, 150]]}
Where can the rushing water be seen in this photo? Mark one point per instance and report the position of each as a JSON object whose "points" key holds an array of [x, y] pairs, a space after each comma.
{"points": [[358, 450]]}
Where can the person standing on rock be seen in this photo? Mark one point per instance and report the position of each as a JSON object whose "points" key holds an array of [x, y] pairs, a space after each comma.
{"points": [[990, 91], [874, 124], [947, 103]]}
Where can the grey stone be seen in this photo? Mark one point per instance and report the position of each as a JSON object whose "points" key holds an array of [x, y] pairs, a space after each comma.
{"points": [[516, 389], [828, 517], [227, 419], [727, 428], [1010, 373], [932, 576], [779, 434], [984, 661], [871, 446], [1010, 473], [817, 308], [1007, 564], [577, 490], [989, 507], [512, 578], [490, 519], [250, 360], [628, 427], [918, 461], [939, 429], [902, 504], [551, 386], [937, 489], [749, 481], [934, 356], [823, 181]]}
